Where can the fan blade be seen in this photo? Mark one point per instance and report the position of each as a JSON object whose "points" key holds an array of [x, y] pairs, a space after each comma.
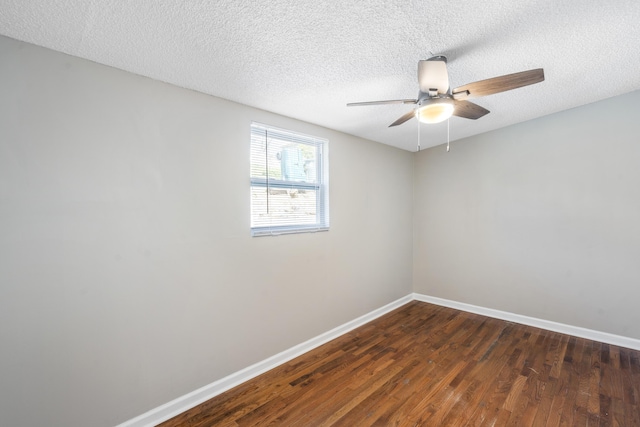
{"points": [[432, 75], [393, 101], [468, 110], [403, 119], [499, 84]]}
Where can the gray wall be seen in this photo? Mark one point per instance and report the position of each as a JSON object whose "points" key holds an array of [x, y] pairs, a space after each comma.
{"points": [[540, 219], [128, 276]]}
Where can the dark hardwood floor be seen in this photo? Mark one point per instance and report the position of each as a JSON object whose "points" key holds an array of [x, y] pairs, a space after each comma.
{"points": [[428, 365]]}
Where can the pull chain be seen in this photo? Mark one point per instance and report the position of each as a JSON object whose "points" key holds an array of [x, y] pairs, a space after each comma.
{"points": [[447, 135], [418, 135]]}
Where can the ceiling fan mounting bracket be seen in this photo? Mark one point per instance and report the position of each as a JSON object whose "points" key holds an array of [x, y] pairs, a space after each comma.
{"points": [[438, 58]]}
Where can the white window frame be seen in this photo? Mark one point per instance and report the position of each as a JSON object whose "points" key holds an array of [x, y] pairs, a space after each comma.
{"points": [[321, 186]]}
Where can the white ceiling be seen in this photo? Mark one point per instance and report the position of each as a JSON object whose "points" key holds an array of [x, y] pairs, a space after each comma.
{"points": [[307, 58]]}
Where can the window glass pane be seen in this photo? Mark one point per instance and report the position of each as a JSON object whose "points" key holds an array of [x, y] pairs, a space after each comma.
{"points": [[284, 206], [285, 160]]}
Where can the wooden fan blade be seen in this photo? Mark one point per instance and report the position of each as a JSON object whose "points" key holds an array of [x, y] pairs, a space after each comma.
{"points": [[433, 76], [468, 110], [499, 84], [403, 119], [392, 101]]}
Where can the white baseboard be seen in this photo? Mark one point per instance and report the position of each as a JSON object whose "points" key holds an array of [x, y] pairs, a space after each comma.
{"points": [[577, 331], [189, 400]]}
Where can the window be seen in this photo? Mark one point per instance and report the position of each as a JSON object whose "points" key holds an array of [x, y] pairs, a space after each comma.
{"points": [[289, 182]]}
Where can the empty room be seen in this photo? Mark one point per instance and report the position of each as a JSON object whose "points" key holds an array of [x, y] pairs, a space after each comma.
{"points": [[296, 213]]}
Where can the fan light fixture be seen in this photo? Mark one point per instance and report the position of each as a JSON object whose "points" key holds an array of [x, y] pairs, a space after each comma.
{"points": [[434, 112]]}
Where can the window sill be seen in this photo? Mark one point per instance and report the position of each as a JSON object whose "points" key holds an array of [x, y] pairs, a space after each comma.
{"points": [[261, 233]]}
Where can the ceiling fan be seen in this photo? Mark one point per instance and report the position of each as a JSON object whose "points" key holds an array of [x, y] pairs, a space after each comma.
{"points": [[436, 101]]}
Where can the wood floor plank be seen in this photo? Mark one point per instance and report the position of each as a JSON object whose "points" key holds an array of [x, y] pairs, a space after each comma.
{"points": [[593, 403], [489, 408], [576, 398], [429, 365]]}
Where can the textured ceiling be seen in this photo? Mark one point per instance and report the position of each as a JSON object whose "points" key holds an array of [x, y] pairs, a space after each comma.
{"points": [[307, 59]]}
